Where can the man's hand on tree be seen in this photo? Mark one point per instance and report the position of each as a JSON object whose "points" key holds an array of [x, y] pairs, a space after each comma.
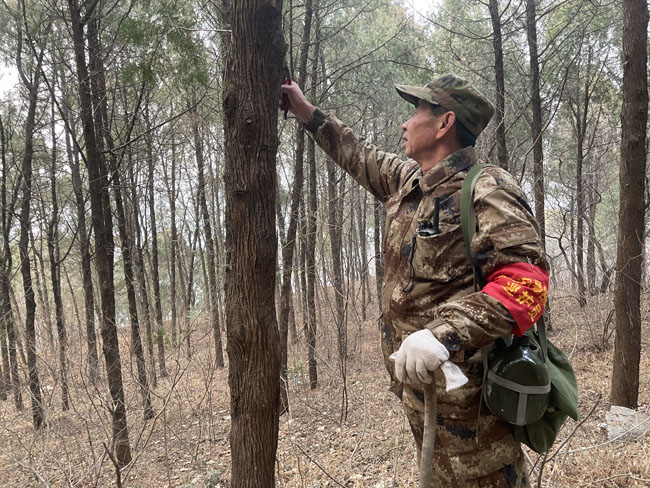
{"points": [[418, 357], [298, 103]]}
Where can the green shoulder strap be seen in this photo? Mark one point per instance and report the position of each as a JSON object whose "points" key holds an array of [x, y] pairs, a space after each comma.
{"points": [[468, 226], [468, 216]]}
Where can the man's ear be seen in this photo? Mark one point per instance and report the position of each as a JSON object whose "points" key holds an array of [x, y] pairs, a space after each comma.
{"points": [[446, 123]]}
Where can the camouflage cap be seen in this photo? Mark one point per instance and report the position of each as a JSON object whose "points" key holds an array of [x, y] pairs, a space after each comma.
{"points": [[455, 94]]}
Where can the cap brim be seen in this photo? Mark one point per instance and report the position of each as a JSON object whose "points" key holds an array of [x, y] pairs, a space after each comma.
{"points": [[413, 94]]}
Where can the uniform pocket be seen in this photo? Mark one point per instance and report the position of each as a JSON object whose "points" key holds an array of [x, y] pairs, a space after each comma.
{"points": [[440, 257]]}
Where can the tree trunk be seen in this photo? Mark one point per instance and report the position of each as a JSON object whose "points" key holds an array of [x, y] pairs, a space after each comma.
{"points": [[7, 331], [591, 234], [536, 126], [362, 221], [42, 292], [209, 242], [580, 232], [55, 273], [140, 276], [173, 247], [103, 225], [38, 414], [189, 290], [84, 248], [380, 220], [310, 267], [250, 102], [160, 332], [629, 258], [288, 249], [102, 128], [500, 84]]}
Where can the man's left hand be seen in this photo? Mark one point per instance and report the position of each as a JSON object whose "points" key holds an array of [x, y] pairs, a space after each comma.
{"points": [[418, 357]]}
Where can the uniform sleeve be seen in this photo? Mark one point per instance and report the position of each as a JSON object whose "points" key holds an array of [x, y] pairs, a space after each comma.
{"points": [[378, 172], [507, 239]]}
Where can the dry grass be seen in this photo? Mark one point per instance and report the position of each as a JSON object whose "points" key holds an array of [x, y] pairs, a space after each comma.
{"points": [[372, 448]]}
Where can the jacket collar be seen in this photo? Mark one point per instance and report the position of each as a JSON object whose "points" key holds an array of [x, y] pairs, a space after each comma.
{"points": [[448, 167]]}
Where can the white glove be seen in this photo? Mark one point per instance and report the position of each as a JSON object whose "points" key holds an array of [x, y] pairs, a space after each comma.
{"points": [[418, 357]]}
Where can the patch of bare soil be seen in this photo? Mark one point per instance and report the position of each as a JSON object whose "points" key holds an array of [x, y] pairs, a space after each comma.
{"points": [[188, 441]]}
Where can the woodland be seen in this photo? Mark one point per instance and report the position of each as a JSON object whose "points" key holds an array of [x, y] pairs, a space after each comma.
{"points": [[189, 286]]}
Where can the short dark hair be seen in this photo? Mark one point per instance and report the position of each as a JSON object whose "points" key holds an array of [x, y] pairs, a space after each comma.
{"points": [[463, 136]]}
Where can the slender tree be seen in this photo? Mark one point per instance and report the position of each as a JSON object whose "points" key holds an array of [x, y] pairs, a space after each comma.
{"points": [[629, 258], [497, 44], [55, 272], [83, 239], [209, 241], [32, 86], [536, 124], [7, 329], [103, 227], [288, 249]]}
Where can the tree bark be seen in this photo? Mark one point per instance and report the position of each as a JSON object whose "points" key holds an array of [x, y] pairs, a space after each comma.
{"points": [[629, 258], [380, 220], [310, 269], [38, 414], [7, 331], [55, 273], [500, 84], [103, 225], [536, 126], [296, 195], [84, 247], [155, 277], [250, 102], [102, 128], [209, 242]]}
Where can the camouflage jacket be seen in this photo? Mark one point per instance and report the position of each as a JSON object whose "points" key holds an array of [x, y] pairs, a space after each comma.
{"points": [[428, 281]]}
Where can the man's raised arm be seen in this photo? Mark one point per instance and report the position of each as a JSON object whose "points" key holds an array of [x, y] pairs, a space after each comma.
{"points": [[378, 172]]}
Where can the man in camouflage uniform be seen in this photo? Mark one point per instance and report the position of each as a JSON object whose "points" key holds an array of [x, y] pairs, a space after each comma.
{"points": [[431, 310]]}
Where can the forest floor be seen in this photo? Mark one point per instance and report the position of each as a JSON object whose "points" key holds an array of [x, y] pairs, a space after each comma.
{"points": [[187, 443]]}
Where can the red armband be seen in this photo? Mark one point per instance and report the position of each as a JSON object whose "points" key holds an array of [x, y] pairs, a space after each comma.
{"points": [[523, 289]]}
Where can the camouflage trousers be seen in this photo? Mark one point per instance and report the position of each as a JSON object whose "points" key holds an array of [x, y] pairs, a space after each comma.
{"points": [[461, 460]]}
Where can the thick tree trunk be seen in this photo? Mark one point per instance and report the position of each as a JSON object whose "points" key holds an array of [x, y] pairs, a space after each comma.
{"points": [[629, 258], [500, 84], [250, 101], [103, 225]]}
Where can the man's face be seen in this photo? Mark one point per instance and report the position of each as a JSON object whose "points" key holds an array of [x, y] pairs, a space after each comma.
{"points": [[419, 133]]}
